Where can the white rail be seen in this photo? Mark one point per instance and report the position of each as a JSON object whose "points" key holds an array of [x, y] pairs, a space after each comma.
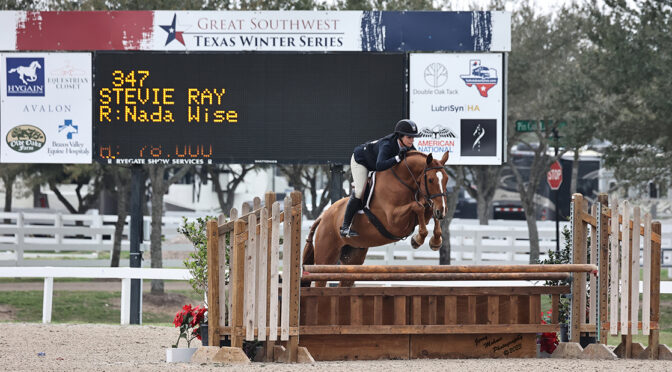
{"points": [[123, 273]]}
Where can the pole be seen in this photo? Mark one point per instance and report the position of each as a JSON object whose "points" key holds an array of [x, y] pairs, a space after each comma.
{"points": [[137, 183], [336, 186], [557, 203]]}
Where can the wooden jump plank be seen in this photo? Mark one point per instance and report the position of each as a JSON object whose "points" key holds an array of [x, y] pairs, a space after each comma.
{"points": [[431, 291], [654, 336], [471, 309], [450, 310], [655, 238], [555, 309], [377, 310], [250, 279], [334, 316], [472, 269], [578, 284], [592, 300], [634, 270], [428, 329], [493, 309], [238, 282], [646, 298], [417, 310], [356, 310], [613, 285], [233, 215], [603, 279], [295, 277], [262, 276], [213, 279], [400, 310], [319, 277], [625, 269], [275, 242], [431, 310], [286, 271]]}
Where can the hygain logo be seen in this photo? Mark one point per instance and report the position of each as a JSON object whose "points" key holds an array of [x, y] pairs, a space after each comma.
{"points": [[25, 77], [26, 138], [436, 75]]}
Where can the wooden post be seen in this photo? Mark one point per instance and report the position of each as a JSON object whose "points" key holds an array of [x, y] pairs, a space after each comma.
{"points": [[233, 216], [626, 337], [592, 303], [262, 275], [654, 337], [578, 256], [213, 282], [634, 270], [223, 266], [646, 295], [273, 240], [613, 285], [286, 268], [603, 263], [238, 282], [251, 277], [295, 288]]}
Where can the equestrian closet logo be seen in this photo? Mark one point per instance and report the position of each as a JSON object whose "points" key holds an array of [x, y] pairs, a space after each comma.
{"points": [[479, 137], [25, 77]]}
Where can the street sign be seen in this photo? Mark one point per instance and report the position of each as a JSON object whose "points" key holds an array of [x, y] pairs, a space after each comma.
{"points": [[531, 125], [554, 176]]}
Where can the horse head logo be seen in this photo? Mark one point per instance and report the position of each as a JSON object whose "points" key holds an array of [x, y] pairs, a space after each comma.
{"points": [[27, 74], [69, 128], [479, 132]]}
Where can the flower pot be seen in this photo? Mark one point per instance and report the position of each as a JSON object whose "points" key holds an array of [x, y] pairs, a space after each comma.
{"points": [[180, 354], [203, 329], [564, 332]]}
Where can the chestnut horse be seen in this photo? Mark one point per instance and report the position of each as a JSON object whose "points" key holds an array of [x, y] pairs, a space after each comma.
{"points": [[406, 195]]}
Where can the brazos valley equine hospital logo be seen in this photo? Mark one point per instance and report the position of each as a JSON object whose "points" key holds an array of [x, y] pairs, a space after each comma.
{"points": [[26, 138], [25, 77], [483, 77]]}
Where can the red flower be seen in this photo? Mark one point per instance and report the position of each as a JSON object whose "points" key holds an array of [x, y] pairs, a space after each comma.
{"points": [[188, 320]]}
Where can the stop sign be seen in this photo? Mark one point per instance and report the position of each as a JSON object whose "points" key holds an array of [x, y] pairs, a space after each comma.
{"points": [[554, 176]]}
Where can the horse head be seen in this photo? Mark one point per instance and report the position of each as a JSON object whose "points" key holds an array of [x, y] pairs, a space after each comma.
{"points": [[431, 179], [433, 185]]}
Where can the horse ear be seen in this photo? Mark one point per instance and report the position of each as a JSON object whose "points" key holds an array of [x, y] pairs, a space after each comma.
{"points": [[444, 159], [430, 158]]}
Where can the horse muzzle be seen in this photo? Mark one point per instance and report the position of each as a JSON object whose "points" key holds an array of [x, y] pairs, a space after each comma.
{"points": [[438, 214]]}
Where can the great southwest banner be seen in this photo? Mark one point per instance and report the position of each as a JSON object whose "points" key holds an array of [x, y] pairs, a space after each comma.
{"points": [[338, 31]]}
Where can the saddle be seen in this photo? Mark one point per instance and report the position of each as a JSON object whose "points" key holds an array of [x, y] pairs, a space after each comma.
{"points": [[368, 196]]}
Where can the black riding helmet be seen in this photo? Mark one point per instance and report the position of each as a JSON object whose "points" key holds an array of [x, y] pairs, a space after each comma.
{"points": [[406, 127]]}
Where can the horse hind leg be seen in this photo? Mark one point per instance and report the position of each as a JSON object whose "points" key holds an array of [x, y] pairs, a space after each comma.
{"points": [[351, 256]]}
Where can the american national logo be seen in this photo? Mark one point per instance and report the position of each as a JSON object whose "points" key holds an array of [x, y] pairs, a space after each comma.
{"points": [[25, 77], [26, 138], [483, 77]]}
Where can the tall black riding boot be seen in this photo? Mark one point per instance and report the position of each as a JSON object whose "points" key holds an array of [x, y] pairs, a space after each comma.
{"points": [[353, 206]]}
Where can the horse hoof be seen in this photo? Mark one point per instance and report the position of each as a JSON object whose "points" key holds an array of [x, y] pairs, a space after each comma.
{"points": [[414, 244], [435, 246]]}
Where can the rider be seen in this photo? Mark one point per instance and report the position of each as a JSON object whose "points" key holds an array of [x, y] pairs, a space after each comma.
{"points": [[378, 156]]}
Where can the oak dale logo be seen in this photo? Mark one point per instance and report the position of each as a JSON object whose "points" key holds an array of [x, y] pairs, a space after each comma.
{"points": [[25, 77], [26, 138]]}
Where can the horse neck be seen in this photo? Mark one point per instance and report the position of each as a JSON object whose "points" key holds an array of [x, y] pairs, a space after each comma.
{"points": [[416, 163]]}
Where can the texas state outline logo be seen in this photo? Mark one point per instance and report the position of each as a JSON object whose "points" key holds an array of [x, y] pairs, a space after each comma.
{"points": [[483, 77]]}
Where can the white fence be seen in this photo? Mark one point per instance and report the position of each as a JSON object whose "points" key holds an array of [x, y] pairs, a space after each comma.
{"points": [[41, 239], [123, 273]]}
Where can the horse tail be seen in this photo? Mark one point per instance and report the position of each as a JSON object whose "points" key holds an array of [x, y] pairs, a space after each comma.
{"points": [[309, 249]]}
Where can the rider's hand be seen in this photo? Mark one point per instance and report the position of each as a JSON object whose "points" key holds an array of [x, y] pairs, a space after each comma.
{"points": [[402, 153]]}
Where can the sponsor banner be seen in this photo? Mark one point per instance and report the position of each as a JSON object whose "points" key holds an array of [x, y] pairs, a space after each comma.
{"points": [[375, 31], [457, 101], [45, 107]]}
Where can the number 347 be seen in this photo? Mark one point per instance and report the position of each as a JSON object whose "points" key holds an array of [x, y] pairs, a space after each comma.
{"points": [[130, 78]]}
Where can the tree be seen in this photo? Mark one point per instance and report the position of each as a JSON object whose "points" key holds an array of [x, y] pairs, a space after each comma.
{"points": [[9, 174], [458, 174], [161, 177], [87, 178], [542, 44], [629, 55], [481, 184], [225, 195], [304, 178]]}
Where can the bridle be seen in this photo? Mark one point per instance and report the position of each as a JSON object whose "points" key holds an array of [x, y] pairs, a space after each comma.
{"points": [[429, 203]]}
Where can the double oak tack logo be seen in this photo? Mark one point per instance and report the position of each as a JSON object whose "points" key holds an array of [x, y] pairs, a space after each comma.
{"points": [[26, 138]]}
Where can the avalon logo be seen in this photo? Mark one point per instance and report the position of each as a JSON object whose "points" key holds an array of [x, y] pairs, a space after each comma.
{"points": [[26, 138], [436, 75]]}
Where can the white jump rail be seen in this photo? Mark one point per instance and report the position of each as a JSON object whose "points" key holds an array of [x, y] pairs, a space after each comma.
{"points": [[123, 273]]}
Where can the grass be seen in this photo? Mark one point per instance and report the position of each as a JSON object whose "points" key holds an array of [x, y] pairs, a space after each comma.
{"points": [[87, 307]]}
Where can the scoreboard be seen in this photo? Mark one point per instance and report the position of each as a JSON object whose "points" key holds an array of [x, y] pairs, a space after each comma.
{"points": [[201, 108]]}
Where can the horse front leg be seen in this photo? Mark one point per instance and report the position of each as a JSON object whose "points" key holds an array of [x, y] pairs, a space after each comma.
{"points": [[435, 241], [418, 239]]}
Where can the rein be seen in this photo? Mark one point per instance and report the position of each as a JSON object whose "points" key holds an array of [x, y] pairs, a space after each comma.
{"points": [[428, 197]]}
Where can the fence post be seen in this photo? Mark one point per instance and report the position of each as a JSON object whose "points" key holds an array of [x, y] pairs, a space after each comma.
{"points": [[237, 283], [125, 301], [47, 298], [603, 268], [578, 256], [296, 275], [19, 239], [654, 336]]}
